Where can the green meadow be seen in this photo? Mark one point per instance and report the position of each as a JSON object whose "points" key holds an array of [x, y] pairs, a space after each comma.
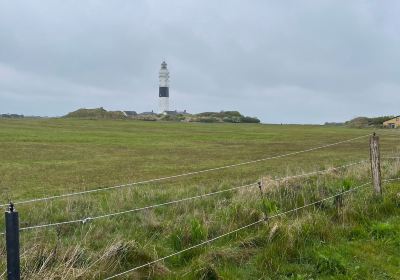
{"points": [[355, 236]]}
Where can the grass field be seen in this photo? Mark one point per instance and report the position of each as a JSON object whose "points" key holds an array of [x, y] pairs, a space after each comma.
{"points": [[44, 157]]}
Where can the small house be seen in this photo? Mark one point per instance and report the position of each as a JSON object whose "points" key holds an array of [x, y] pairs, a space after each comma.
{"points": [[392, 123]]}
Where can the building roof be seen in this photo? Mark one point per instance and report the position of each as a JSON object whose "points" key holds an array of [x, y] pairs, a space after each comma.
{"points": [[130, 113], [392, 119], [148, 113]]}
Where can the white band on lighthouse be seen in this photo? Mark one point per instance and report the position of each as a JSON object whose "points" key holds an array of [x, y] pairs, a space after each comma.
{"points": [[163, 104], [163, 93]]}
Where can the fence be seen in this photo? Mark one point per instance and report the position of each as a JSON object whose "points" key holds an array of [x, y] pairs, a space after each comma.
{"points": [[12, 218]]}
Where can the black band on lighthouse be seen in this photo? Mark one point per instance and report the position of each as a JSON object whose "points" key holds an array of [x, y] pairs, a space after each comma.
{"points": [[164, 92]]}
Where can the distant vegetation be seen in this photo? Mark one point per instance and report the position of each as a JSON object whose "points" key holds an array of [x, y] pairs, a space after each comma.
{"points": [[224, 116], [206, 117], [362, 122], [11, 116], [97, 113]]}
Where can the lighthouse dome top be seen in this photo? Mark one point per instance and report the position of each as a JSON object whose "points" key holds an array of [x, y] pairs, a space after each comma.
{"points": [[164, 73]]}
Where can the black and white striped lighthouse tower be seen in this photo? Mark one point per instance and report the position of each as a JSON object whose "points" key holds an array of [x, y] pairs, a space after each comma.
{"points": [[163, 93]]}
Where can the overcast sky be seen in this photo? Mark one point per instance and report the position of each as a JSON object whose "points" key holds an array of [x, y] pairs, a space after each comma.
{"points": [[283, 61]]}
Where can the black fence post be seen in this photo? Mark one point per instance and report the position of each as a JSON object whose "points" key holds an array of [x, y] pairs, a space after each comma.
{"points": [[12, 243]]}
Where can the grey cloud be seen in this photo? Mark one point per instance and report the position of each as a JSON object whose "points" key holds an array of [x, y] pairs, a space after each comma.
{"points": [[283, 61]]}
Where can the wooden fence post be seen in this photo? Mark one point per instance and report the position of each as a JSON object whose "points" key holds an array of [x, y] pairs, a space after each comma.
{"points": [[12, 243], [375, 158]]}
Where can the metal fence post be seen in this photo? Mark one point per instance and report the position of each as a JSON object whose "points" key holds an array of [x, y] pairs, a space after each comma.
{"points": [[375, 163], [12, 243]]}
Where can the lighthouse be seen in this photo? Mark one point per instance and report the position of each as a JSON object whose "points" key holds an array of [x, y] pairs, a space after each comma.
{"points": [[163, 92]]}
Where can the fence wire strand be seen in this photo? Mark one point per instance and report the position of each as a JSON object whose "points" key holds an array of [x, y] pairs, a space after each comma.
{"points": [[88, 219], [239, 229], [183, 174]]}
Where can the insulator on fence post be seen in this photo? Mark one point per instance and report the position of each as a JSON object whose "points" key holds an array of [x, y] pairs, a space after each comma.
{"points": [[12, 243], [260, 187], [375, 158]]}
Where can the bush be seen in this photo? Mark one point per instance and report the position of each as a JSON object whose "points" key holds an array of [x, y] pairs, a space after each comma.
{"points": [[176, 118], [97, 113], [146, 118], [231, 119], [249, 120], [359, 122], [222, 114], [209, 119]]}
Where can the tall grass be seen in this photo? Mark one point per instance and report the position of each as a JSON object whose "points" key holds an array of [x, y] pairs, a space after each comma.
{"points": [[354, 237], [295, 244]]}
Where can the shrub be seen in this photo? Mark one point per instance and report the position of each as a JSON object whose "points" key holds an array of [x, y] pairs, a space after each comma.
{"points": [[176, 118], [359, 122], [231, 119], [209, 119], [97, 113], [146, 118], [249, 120]]}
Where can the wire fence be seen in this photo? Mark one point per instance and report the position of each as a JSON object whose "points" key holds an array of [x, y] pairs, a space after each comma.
{"points": [[181, 175], [88, 219], [242, 228], [85, 220]]}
